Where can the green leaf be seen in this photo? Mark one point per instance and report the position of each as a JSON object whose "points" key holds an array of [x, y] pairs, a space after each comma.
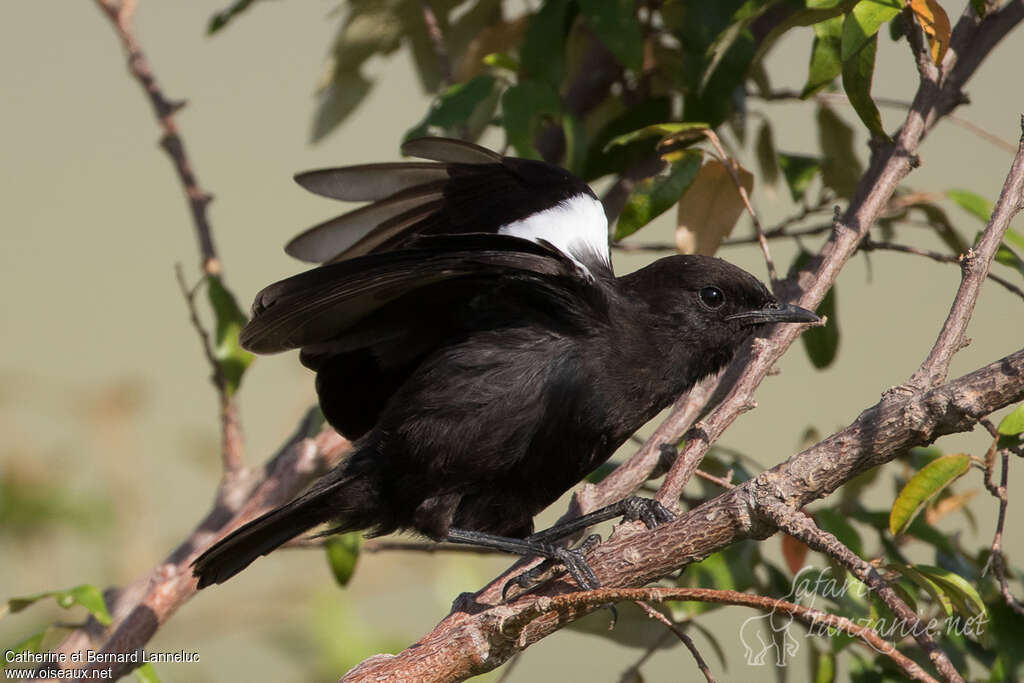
{"points": [[523, 107], [1008, 257], [231, 357], [712, 641], [620, 120], [343, 555], [742, 18], [88, 596], [857, 74], [840, 169], [502, 60], [799, 171], [767, 162], [1013, 424], [34, 643], [823, 667], [862, 24], [820, 343], [369, 29], [221, 19], [337, 100], [938, 596], [147, 674], [654, 196], [575, 144], [660, 130], [815, 13], [826, 62], [615, 24], [964, 595], [542, 54], [972, 203], [1014, 238], [839, 526], [927, 483], [943, 227], [456, 106]]}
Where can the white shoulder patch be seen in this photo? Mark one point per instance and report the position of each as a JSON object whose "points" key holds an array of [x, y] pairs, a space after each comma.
{"points": [[576, 226]]}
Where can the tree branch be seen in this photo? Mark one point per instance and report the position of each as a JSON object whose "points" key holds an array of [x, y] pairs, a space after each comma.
{"points": [[481, 633], [975, 264], [121, 15], [802, 528]]}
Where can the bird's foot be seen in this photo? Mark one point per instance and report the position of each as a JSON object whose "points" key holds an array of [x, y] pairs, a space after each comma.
{"points": [[647, 510], [574, 561]]}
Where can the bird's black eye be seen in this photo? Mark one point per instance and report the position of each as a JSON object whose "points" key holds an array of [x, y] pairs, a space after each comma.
{"points": [[711, 297]]}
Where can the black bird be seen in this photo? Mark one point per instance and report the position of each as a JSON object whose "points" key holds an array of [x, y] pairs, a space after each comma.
{"points": [[469, 336]]}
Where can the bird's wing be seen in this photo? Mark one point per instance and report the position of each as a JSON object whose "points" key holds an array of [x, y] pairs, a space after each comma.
{"points": [[366, 324], [323, 305], [469, 189]]}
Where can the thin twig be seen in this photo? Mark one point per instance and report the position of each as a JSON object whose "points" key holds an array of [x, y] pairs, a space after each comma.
{"points": [[509, 666], [633, 671], [892, 103], [996, 560], [803, 528], [121, 15], [869, 244], [816, 619], [198, 199], [731, 165], [189, 294], [682, 636], [437, 42]]}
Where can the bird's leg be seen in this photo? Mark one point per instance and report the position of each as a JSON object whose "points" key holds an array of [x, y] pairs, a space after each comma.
{"points": [[649, 511], [572, 558]]}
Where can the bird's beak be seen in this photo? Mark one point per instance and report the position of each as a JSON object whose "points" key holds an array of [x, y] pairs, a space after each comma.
{"points": [[776, 313]]}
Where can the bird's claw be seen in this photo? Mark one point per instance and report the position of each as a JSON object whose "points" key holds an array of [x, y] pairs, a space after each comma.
{"points": [[574, 561], [647, 510]]}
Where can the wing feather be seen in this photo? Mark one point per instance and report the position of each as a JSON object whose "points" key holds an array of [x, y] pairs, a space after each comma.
{"points": [[370, 182], [470, 190], [450, 150], [325, 241], [319, 305]]}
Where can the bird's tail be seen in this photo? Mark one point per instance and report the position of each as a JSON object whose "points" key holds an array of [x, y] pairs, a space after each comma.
{"points": [[329, 499]]}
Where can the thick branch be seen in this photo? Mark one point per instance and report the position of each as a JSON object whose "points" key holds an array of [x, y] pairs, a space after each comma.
{"points": [[476, 637]]}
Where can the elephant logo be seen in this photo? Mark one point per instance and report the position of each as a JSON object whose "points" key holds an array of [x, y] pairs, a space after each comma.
{"points": [[762, 633]]}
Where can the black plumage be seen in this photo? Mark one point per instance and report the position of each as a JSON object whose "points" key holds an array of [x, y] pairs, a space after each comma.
{"points": [[482, 355]]}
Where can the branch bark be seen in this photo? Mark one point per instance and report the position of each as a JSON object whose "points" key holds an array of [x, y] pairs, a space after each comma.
{"points": [[480, 633]]}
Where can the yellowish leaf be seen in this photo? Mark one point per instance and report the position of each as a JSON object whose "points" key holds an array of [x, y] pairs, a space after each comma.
{"points": [[710, 208], [935, 23]]}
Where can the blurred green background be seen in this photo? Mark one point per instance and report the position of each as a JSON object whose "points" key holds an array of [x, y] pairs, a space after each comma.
{"points": [[110, 448]]}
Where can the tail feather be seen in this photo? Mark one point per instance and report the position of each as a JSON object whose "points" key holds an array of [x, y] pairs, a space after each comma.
{"points": [[239, 549]]}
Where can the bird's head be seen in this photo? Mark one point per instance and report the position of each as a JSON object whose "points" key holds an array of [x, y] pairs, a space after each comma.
{"points": [[707, 305]]}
